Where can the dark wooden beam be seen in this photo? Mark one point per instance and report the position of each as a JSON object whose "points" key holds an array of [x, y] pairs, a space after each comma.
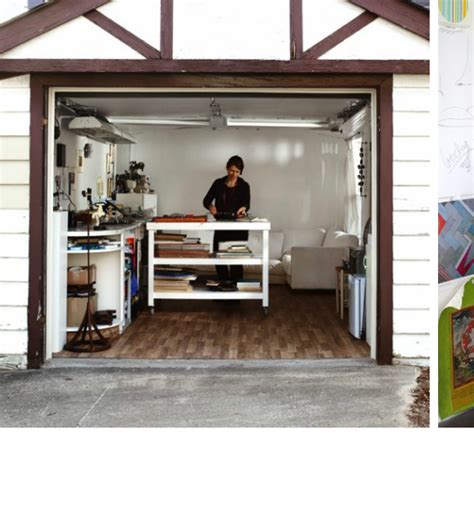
{"points": [[202, 81], [400, 12], [296, 29], [166, 47], [37, 231], [385, 222], [120, 33], [43, 19], [339, 35], [218, 66]]}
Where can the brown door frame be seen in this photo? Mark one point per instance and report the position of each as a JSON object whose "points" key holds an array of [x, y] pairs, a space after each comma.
{"points": [[40, 84]]}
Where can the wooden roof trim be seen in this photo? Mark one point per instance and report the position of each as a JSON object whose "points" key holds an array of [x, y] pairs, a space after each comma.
{"points": [[216, 66], [42, 20], [296, 29], [401, 13], [166, 45], [340, 35], [123, 35]]}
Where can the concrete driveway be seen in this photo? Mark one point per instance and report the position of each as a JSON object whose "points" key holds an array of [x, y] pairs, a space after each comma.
{"points": [[98, 393]]}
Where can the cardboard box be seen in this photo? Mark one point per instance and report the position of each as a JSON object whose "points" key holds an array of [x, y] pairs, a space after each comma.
{"points": [[79, 276], [76, 308]]}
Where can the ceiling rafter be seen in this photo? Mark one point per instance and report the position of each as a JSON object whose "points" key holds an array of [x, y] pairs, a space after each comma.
{"points": [[120, 33]]}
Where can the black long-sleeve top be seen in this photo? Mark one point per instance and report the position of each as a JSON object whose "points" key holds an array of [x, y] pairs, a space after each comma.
{"points": [[228, 199]]}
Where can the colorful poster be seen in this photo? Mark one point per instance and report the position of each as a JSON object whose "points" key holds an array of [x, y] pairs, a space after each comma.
{"points": [[453, 12], [456, 353], [455, 240]]}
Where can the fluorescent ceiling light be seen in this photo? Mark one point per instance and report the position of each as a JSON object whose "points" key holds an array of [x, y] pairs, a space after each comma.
{"points": [[157, 121], [254, 122]]}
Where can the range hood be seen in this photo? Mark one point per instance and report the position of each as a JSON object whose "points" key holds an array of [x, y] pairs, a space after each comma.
{"points": [[99, 130]]}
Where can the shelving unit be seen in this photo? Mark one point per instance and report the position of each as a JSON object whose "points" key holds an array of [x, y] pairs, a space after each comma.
{"points": [[113, 282], [202, 293]]}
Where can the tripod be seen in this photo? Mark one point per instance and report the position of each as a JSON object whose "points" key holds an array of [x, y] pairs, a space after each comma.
{"points": [[83, 340]]}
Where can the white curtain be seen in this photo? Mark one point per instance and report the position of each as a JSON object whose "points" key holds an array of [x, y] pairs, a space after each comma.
{"points": [[352, 201]]}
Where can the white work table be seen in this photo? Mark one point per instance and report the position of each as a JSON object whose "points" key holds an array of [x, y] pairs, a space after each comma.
{"points": [[239, 225], [112, 230]]}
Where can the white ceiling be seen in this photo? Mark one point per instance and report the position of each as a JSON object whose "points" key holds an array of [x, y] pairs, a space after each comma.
{"points": [[192, 107]]}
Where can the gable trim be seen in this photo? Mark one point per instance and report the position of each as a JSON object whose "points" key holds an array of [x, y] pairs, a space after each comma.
{"points": [[296, 29], [166, 34], [25, 66], [39, 21], [399, 12], [339, 35], [123, 35]]}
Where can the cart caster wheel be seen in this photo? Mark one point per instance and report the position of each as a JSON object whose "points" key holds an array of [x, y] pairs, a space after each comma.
{"points": [[265, 311]]}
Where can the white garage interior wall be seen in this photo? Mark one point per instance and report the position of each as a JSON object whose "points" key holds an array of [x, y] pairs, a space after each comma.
{"points": [[92, 168], [14, 219], [296, 176]]}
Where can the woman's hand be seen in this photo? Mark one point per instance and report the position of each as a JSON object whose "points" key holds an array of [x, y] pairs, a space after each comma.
{"points": [[242, 211], [213, 210]]}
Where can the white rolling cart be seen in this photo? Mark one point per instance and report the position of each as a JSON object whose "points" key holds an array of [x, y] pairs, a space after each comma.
{"points": [[204, 293]]}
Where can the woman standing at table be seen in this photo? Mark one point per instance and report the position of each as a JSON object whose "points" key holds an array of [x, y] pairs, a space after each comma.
{"points": [[230, 194]]}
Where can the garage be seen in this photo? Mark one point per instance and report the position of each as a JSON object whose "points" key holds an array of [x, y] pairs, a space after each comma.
{"points": [[394, 92], [184, 138]]}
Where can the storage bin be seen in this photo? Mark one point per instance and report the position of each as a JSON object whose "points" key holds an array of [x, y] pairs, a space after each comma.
{"points": [[77, 275], [76, 308]]}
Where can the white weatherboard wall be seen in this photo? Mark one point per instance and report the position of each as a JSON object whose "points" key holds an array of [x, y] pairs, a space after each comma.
{"points": [[14, 215], [412, 176], [296, 176]]}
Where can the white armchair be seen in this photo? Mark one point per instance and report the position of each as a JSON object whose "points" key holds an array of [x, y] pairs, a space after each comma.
{"points": [[314, 266]]}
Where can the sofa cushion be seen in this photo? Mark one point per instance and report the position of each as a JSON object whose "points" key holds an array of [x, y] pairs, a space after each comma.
{"points": [[302, 237], [275, 243], [286, 261], [340, 239]]}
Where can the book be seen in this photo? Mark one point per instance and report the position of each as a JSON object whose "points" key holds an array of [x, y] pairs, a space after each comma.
{"points": [[232, 255], [249, 283], [456, 353], [169, 237], [183, 253], [224, 245]]}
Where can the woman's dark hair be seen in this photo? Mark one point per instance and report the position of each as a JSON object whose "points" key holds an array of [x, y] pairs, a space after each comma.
{"points": [[237, 162]]}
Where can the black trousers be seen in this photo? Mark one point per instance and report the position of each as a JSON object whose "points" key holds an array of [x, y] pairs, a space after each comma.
{"points": [[234, 273]]}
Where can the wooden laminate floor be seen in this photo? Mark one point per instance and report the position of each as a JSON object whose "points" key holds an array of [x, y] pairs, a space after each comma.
{"points": [[300, 325]]}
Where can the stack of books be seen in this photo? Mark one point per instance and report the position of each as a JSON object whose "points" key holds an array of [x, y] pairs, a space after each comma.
{"points": [[179, 245], [234, 249], [249, 286], [169, 278]]}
